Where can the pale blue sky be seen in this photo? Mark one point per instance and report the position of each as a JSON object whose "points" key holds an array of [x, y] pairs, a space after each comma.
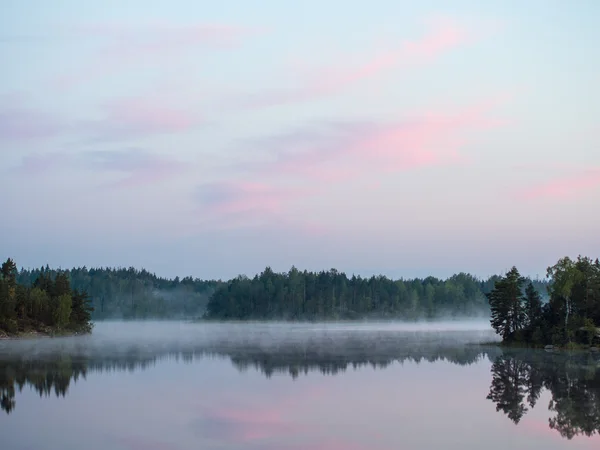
{"points": [[215, 138]]}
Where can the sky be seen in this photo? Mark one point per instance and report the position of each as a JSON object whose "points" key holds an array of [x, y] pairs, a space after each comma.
{"points": [[214, 139]]}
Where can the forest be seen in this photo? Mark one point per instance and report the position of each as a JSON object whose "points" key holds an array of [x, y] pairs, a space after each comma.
{"points": [[48, 305], [121, 293], [325, 295], [128, 293], [569, 317]]}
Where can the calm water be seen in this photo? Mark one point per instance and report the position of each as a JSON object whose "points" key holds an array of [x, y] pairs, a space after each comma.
{"points": [[180, 386]]}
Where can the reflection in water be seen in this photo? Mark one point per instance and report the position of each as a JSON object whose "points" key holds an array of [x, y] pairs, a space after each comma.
{"points": [[45, 376], [518, 377], [48, 369]]}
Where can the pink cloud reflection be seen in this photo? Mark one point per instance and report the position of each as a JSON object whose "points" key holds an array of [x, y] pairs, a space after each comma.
{"points": [[541, 428], [138, 443], [256, 424]]}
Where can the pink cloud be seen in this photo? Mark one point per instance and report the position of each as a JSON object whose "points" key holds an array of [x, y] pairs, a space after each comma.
{"points": [[133, 117], [129, 45], [443, 36], [243, 204], [335, 152], [230, 198], [569, 187]]}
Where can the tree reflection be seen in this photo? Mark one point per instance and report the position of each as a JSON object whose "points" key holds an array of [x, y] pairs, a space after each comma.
{"points": [[518, 376], [44, 376], [573, 381], [54, 372]]}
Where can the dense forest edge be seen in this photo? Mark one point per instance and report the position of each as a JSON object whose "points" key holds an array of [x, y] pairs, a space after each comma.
{"points": [[128, 294], [561, 310], [568, 319], [49, 306]]}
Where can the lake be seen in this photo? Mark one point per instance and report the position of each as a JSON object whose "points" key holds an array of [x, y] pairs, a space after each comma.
{"points": [[257, 386]]}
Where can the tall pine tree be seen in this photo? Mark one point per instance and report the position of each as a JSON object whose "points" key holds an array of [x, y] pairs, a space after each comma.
{"points": [[506, 304]]}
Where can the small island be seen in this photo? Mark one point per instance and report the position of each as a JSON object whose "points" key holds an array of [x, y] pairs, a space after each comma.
{"points": [[48, 307], [567, 320]]}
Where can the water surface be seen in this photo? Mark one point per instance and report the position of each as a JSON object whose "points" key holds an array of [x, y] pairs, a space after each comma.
{"points": [[180, 386]]}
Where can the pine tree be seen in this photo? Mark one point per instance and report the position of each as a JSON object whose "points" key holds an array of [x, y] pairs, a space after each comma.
{"points": [[533, 306], [506, 304]]}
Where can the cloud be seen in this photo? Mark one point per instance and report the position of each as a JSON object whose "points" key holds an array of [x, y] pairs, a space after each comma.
{"points": [[244, 197], [234, 204], [306, 161], [120, 119], [139, 167], [563, 188], [139, 117], [19, 122], [444, 35], [129, 44], [43, 163], [337, 151], [135, 167]]}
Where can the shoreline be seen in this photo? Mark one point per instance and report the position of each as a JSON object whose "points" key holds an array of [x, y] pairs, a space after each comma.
{"points": [[37, 334], [572, 347]]}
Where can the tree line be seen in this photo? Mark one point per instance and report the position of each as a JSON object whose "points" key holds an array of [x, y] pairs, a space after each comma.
{"points": [[570, 315], [49, 304], [303, 295], [128, 293]]}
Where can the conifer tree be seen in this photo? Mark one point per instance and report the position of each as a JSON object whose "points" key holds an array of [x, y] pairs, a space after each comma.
{"points": [[506, 304]]}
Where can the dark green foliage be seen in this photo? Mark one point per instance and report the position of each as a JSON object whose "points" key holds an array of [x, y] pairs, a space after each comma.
{"points": [[128, 293], [533, 307], [295, 295], [48, 305], [306, 295], [570, 316], [506, 304]]}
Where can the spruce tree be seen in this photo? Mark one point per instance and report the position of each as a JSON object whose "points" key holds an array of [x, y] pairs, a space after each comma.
{"points": [[533, 306], [506, 304]]}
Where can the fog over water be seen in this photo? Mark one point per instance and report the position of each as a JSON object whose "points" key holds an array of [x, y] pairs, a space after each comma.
{"points": [[160, 337], [317, 386]]}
